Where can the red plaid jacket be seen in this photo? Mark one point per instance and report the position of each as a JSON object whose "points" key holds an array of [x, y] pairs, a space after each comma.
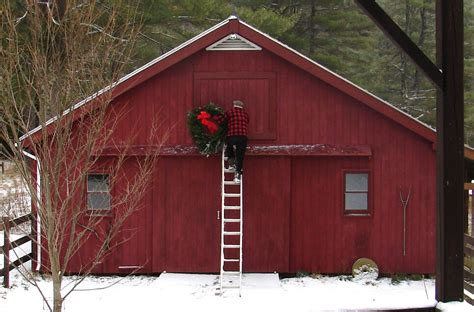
{"points": [[237, 121]]}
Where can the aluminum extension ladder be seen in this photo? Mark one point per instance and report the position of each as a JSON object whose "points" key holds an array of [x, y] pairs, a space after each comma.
{"points": [[231, 230]]}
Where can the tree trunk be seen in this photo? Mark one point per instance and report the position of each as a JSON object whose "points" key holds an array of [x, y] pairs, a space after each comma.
{"points": [[403, 59], [57, 281], [421, 42], [312, 27], [57, 298]]}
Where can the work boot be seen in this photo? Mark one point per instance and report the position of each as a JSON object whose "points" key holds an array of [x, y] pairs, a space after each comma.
{"points": [[238, 177], [231, 164]]}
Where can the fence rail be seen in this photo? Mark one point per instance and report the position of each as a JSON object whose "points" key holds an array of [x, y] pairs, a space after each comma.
{"points": [[8, 245], [469, 269]]}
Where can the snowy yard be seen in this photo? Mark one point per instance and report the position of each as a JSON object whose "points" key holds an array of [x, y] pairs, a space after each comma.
{"points": [[186, 292], [199, 292]]}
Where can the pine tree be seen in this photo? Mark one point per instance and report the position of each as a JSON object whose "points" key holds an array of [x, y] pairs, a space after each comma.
{"points": [[401, 83]]}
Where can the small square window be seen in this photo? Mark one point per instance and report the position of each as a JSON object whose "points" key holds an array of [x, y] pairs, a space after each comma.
{"points": [[98, 192], [356, 192]]}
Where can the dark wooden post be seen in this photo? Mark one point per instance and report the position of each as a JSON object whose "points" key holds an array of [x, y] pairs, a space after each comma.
{"points": [[448, 77], [450, 151], [6, 252]]}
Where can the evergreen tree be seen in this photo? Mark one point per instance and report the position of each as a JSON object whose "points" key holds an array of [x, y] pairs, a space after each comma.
{"points": [[400, 82]]}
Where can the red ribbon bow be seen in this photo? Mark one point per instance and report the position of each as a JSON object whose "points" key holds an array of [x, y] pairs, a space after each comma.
{"points": [[204, 118]]}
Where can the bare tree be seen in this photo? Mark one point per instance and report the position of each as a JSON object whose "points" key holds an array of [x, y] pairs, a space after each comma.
{"points": [[55, 54]]}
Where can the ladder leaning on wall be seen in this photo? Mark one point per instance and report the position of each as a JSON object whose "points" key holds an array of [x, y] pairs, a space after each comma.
{"points": [[231, 230]]}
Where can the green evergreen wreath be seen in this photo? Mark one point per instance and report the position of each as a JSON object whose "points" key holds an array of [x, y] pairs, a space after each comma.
{"points": [[207, 128]]}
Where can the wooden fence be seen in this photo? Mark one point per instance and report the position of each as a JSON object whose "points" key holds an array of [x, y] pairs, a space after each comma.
{"points": [[7, 225], [469, 269], [469, 247]]}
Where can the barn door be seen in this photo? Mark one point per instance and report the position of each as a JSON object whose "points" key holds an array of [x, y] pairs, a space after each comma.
{"points": [[133, 253], [266, 214], [256, 90], [191, 199]]}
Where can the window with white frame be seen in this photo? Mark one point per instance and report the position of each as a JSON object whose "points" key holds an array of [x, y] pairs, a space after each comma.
{"points": [[356, 192], [98, 192]]}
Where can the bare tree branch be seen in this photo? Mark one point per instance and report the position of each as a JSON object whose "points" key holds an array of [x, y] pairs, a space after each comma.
{"points": [[52, 63]]}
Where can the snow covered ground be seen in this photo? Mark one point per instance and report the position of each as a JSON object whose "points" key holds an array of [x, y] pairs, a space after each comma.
{"points": [[199, 292]]}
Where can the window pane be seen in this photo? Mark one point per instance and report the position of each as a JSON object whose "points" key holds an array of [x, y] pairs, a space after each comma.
{"points": [[356, 201], [357, 182], [97, 183], [98, 201]]}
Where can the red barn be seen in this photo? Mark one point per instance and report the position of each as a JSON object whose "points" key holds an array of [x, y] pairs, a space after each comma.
{"points": [[327, 169]]}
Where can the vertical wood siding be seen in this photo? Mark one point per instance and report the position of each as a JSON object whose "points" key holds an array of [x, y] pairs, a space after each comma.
{"points": [[294, 216]]}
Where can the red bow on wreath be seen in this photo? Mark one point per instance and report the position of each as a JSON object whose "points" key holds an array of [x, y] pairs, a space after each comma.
{"points": [[204, 118]]}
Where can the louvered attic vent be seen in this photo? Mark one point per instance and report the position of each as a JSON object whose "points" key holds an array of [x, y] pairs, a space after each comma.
{"points": [[233, 42]]}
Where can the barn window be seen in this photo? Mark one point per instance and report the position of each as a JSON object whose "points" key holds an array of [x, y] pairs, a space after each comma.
{"points": [[98, 192], [356, 192]]}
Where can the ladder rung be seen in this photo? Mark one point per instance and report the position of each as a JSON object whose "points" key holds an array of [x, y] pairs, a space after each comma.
{"points": [[231, 183], [231, 273], [231, 195], [231, 260], [231, 207], [231, 246], [231, 220], [231, 233], [230, 286]]}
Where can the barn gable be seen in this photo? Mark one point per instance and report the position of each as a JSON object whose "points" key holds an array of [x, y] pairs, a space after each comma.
{"points": [[234, 34]]}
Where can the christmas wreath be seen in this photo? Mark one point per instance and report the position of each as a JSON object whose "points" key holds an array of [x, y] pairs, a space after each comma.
{"points": [[208, 129]]}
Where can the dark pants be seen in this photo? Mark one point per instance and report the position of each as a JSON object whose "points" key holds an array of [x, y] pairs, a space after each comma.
{"points": [[240, 143]]}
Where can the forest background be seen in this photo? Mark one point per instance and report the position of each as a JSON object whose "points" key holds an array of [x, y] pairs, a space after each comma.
{"points": [[334, 33]]}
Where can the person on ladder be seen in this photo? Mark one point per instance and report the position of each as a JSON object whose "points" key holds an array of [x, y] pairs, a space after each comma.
{"points": [[237, 128]]}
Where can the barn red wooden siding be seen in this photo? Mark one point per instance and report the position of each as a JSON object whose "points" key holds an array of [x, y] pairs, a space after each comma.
{"points": [[293, 218]]}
